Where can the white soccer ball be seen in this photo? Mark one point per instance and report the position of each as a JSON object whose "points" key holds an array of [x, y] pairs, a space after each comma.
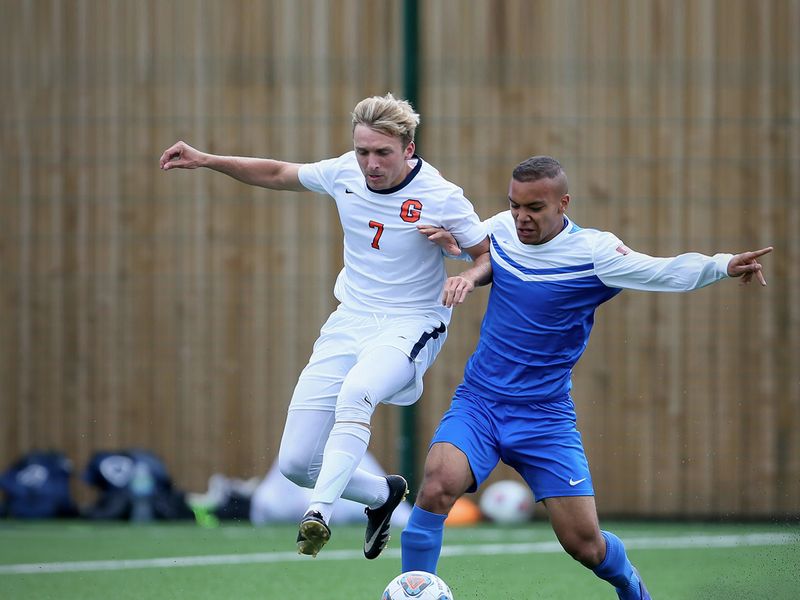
{"points": [[507, 502], [418, 585]]}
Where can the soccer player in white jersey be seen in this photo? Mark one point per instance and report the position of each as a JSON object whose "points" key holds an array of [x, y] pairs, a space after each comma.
{"points": [[548, 276], [394, 306]]}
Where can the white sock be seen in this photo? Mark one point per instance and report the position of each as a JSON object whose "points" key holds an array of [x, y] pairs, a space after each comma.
{"points": [[367, 488], [346, 446]]}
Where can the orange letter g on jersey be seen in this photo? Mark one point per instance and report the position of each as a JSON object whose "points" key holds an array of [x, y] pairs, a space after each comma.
{"points": [[411, 211]]}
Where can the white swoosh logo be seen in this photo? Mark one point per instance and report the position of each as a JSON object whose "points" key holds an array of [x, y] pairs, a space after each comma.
{"points": [[371, 541], [574, 483]]}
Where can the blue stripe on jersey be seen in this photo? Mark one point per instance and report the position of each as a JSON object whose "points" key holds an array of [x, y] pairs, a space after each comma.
{"points": [[532, 335], [529, 271]]}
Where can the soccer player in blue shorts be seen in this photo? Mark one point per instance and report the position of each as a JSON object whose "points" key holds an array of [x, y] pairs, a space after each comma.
{"points": [[548, 276]]}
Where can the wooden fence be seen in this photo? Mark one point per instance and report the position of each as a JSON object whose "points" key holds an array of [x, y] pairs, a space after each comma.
{"points": [[174, 311]]}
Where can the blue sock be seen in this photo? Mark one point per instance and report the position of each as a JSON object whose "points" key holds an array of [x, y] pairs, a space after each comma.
{"points": [[421, 540], [617, 569]]}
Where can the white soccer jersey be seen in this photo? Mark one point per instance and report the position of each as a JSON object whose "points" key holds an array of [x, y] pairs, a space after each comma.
{"points": [[543, 298], [389, 267]]}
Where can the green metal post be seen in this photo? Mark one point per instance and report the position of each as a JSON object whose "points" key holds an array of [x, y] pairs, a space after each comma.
{"points": [[408, 435]]}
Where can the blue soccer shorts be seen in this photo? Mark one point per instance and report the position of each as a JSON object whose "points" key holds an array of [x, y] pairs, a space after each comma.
{"points": [[540, 441]]}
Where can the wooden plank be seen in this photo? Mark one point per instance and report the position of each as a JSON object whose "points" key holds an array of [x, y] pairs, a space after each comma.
{"points": [[699, 384], [15, 258], [759, 464], [667, 211], [787, 253], [728, 183], [262, 402], [598, 202], [633, 450]]}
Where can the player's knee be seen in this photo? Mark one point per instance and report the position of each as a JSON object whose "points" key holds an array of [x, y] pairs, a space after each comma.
{"points": [[586, 549], [297, 469], [354, 404], [436, 496]]}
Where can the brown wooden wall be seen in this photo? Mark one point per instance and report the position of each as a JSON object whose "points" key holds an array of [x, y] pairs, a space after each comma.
{"points": [[174, 311]]}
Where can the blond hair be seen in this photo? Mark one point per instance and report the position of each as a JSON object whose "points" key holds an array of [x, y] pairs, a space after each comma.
{"points": [[388, 115]]}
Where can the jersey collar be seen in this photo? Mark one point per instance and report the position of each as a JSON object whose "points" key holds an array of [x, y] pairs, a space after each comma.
{"points": [[406, 180], [565, 231]]}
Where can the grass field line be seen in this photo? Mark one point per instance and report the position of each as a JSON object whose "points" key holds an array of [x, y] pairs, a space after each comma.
{"points": [[644, 543]]}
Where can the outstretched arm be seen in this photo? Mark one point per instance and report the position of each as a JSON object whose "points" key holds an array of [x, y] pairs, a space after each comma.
{"points": [[618, 266], [745, 265], [263, 172]]}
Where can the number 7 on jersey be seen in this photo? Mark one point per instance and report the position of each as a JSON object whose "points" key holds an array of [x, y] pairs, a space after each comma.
{"points": [[378, 234]]}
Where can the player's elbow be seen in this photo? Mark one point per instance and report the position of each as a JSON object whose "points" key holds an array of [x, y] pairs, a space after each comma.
{"points": [[479, 251]]}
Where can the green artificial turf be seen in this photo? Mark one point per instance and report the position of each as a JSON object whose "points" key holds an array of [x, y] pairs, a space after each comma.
{"points": [[64, 560]]}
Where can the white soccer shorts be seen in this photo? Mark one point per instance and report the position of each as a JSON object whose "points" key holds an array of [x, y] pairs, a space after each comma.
{"points": [[347, 336]]}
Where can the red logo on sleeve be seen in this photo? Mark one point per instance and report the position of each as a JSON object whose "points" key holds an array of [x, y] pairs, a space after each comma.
{"points": [[623, 249]]}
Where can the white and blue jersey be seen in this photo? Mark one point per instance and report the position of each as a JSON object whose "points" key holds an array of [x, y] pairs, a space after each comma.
{"points": [[543, 298], [514, 404]]}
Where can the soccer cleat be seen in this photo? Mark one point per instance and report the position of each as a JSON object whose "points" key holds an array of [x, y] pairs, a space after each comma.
{"points": [[313, 534], [379, 519]]}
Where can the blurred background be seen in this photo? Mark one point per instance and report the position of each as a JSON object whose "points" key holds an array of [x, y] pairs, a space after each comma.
{"points": [[174, 311]]}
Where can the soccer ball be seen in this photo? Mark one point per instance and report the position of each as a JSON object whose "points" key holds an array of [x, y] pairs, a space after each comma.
{"points": [[507, 502], [417, 585]]}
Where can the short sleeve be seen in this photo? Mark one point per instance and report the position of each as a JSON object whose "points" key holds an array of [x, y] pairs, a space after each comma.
{"points": [[320, 176], [461, 220]]}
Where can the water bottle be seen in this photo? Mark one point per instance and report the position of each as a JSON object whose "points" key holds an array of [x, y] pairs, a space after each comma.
{"points": [[142, 486]]}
